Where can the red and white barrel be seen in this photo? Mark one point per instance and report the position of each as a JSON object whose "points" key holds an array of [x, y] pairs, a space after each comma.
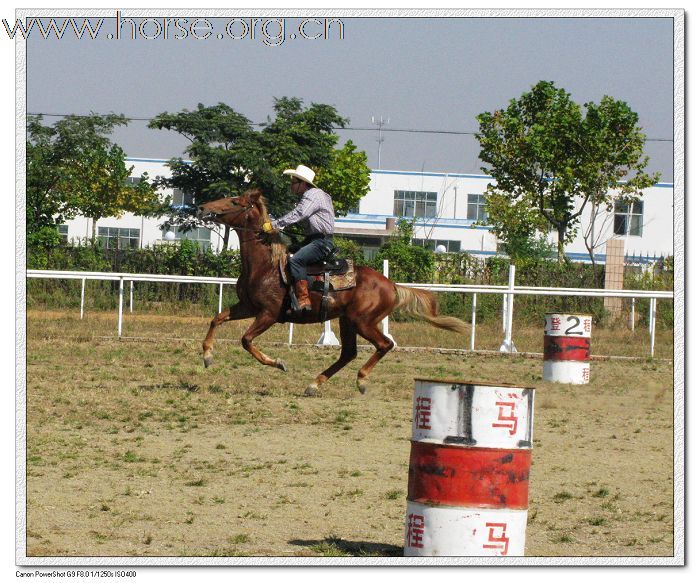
{"points": [[567, 348], [469, 469]]}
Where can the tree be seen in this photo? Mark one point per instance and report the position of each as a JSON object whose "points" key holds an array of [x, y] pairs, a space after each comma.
{"points": [[543, 151], [346, 177], [520, 228], [72, 169], [227, 155], [223, 150], [614, 149], [409, 263]]}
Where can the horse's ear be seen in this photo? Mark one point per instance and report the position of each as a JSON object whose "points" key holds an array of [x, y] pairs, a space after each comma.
{"points": [[254, 195]]}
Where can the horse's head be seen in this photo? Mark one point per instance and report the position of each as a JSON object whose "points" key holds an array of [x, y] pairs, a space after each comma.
{"points": [[245, 211]]}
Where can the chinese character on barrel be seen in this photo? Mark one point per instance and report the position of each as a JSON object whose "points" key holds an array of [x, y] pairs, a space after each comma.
{"points": [[567, 348], [469, 469]]}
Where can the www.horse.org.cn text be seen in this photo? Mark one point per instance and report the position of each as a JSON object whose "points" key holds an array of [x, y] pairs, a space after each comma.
{"points": [[268, 31]]}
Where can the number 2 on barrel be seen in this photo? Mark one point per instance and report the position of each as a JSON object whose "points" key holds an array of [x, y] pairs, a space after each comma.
{"points": [[570, 328]]}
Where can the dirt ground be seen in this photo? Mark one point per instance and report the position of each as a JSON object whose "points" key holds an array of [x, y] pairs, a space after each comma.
{"points": [[134, 449]]}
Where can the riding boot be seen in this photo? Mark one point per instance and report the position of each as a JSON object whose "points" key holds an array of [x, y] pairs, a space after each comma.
{"points": [[301, 289]]}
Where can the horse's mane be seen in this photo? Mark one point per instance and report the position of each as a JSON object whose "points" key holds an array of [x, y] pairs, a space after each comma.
{"points": [[278, 248]]}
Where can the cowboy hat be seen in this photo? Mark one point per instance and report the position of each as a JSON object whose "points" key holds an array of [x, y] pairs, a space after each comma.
{"points": [[303, 173]]}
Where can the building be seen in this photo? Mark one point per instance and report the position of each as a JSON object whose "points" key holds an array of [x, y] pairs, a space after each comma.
{"points": [[447, 208]]}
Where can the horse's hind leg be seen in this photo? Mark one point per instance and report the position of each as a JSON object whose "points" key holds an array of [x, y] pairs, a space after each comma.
{"points": [[371, 332], [237, 312], [348, 352]]}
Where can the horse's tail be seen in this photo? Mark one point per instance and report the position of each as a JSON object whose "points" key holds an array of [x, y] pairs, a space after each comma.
{"points": [[421, 303]]}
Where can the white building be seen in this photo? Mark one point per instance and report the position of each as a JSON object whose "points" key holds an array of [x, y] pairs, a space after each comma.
{"points": [[446, 207]]}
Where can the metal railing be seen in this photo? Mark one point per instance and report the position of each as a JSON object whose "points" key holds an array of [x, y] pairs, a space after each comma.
{"points": [[328, 338]]}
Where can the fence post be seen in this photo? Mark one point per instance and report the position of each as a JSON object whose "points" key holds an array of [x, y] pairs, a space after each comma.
{"points": [[385, 321], [652, 323], [328, 338], [473, 322], [121, 306], [504, 312], [131, 297], [291, 333], [508, 345], [221, 297], [82, 298], [632, 316]]}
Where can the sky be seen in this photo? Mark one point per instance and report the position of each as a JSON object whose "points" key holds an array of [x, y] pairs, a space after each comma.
{"points": [[434, 74]]}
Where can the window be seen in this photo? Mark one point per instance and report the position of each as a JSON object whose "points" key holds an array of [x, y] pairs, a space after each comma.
{"points": [[451, 246], [628, 218], [201, 235], [412, 203], [118, 238], [369, 245], [63, 233], [182, 199], [476, 207]]}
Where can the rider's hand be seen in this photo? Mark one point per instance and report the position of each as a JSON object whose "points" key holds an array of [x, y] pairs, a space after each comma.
{"points": [[267, 227]]}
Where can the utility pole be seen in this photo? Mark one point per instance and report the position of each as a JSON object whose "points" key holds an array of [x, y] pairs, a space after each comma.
{"points": [[380, 123]]}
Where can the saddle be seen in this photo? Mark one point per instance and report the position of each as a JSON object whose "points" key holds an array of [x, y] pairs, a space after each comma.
{"points": [[330, 275]]}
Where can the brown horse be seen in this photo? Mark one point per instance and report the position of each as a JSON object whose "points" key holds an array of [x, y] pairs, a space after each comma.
{"points": [[262, 291]]}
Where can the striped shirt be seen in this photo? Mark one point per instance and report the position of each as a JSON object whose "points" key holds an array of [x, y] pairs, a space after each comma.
{"points": [[314, 211]]}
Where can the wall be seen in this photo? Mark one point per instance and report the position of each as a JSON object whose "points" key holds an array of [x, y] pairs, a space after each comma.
{"points": [[451, 223]]}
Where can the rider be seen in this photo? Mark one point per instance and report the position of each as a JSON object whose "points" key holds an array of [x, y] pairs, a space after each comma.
{"points": [[315, 210]]}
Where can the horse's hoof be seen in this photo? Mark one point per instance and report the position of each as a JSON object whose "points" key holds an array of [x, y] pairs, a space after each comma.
{"points": [[311, 390], [280, 365], [362, 386], [208, 360]]}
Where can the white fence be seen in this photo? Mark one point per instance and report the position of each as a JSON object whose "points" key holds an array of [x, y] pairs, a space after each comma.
{"points": [[328, 338]]}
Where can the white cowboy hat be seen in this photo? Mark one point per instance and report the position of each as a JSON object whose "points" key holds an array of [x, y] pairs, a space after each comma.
{"points": [[302, 173]]}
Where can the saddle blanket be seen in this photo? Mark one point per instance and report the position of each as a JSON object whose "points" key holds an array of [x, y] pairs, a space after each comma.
{"points": [[338, 281]]}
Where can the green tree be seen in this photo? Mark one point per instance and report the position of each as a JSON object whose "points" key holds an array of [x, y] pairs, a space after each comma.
{"points": [[407, 262], [346, 177], [543, 151], [73, 168], [613, 152], [227, 155], [520, 228], [223, 152]]}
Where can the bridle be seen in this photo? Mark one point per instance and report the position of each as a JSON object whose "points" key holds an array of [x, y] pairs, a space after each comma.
{"points": [[238, 211]]}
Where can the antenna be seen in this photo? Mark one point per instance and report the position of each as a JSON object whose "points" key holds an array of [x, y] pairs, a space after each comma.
{"points": [[380, 123]]}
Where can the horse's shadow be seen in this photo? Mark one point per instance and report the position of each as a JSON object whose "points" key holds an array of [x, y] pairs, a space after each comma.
{"points": [[338, 547]]}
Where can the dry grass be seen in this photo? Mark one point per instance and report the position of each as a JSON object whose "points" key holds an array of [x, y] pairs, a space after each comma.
{"points": [[134, 449], [610, 341]]}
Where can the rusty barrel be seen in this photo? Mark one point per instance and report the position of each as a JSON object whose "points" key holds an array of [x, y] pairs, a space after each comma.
{"points": [[469, 469], [567, 348]]}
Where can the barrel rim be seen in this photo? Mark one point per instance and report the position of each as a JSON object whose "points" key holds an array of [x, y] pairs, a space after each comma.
{"points": [[472, 384], [472, 448], [568, 314], [469, 509], [472, 509]]}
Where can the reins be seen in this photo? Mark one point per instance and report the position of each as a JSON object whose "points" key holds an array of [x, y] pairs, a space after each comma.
{"points": [[238, 211]]}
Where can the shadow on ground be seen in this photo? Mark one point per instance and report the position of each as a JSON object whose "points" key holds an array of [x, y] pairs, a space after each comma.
{"points": [[337, 547]]}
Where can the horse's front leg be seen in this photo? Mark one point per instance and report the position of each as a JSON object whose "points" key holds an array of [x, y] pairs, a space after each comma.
{"points": [[237, 312], [261, 323]]}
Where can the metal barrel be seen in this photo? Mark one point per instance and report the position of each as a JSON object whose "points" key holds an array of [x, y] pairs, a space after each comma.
{"points": [[469, 469], [567, 348]]}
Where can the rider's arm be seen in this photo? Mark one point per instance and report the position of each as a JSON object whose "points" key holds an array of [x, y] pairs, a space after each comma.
{"points": [[307, 206]]}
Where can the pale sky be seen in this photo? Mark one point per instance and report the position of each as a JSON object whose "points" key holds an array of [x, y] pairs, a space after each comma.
{"points": [[420, 73]]}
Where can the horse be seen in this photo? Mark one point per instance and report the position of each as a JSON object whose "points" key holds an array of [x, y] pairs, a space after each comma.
{"points": [[262, 291]]}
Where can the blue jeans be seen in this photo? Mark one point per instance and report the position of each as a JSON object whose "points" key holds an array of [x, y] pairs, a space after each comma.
{"points": [[311, 253]]}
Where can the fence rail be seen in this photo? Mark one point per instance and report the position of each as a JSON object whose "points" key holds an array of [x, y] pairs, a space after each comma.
{"points": [[328, 338]]}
